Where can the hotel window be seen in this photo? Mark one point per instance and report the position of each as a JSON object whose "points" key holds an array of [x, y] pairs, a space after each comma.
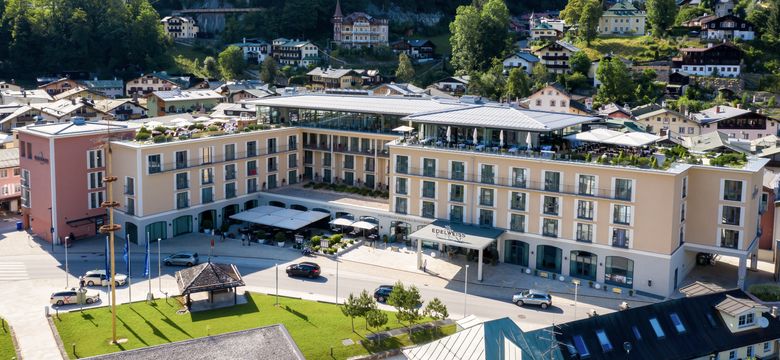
{"points": [[271, 145], [181, 159], [95, 157], [349, 162], [729, 238], [370, 180], [155, 163], [456, 214], [620, 237], [130, 206], [749, 352], [206, 155], [551, 205], [486, 197], [230, 152], [659, 332], [678, 325], [22, 149], [732, 190], [326, 159], [550, 227], [129, 186], [251, 148], [293, 176], [518, 201], [586, 185], [402, 164], [370, 164], [746, 320], [326, 175], [517, 222], [207, 195], [606, 345], [96, 180], [767, 347], [456, 192], [272, 165], [401, 205], [182, 200], [623, 189], [292, 142], [585, 209], [182, 181], [488, 175], [400, 186], [292, 160], [308, 157], [485, 217], [349, 178], [206, 176], [230, 190], [251, 168], [3, 173], [95, 199], [429, 167], [584, 232], [428, 210], [230, 172], [621, 214], [251, 185], [519, 176], [552, 181], [731, 215], [458, 170], [429, 189]]}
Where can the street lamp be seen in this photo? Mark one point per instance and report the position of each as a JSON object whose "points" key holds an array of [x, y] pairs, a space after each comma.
{"points": [[337, 278], [51, 229], [465, 290], [576, 287]]}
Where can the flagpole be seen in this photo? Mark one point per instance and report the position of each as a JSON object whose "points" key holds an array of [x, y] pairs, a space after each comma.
{"points": [[129, 282], [149, 295], [110, 228]]}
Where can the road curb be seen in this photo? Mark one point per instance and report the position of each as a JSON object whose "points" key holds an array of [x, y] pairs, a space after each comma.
{"points": [[14, 342]]}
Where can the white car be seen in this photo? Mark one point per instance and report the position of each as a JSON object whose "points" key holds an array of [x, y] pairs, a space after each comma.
{"points": [[99, 278], [71, 297]]}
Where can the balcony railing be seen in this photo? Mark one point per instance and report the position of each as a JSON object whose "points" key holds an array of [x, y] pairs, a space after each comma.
{"points": [[182, 204], [273, 167], [129, 190], [208, 161]]}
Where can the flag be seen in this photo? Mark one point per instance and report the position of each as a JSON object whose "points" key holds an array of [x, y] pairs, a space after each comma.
{"points": [[146, 261], [126, 255], [108, 267]]}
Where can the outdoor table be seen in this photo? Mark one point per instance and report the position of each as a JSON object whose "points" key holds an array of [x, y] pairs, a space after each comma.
{"points": [[513, 150], [461, 146], [480, 147]]}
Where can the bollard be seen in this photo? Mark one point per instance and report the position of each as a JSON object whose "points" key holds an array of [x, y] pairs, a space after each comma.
{"points": [[46, 311], [73, 345]]}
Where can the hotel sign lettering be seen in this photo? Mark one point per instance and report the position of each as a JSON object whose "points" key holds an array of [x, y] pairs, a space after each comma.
{"points": [[40, 157], [448, 234]]}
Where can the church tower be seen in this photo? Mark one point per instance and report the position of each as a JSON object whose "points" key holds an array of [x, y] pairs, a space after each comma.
{"points": [[338, 17]]}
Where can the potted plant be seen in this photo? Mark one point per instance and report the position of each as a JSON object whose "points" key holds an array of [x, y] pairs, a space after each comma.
{"points": [[280, 239]]}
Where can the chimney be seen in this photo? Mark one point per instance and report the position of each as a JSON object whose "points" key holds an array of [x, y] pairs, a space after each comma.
{"points": [[243, 40], [717, 109], [739, 106], [774, 312], [73, 101], [709, 45]]}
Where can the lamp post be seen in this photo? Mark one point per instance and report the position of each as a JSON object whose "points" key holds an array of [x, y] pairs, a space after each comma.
{"points": [[576, 287], [337, 278], [51, 229], [465, 290]]}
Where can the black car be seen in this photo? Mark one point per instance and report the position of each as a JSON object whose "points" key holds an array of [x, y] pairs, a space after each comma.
{"points": [[308, 269], [383, 292]]}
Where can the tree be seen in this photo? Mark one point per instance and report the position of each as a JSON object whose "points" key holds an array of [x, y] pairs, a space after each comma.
{"points": [[573, 11], [358, 306], [489, 84], [494, 18], [576, 81], [406, 302], [589, 20], [616, 83], [376, 318], [539, 75], [436, 310], [465, 40], [232, 63], [367, 304], [579, 62], [773, 18], [517, 84], [405, 71], [268, 70], [661, 15], [210, 67], [687, 12]]}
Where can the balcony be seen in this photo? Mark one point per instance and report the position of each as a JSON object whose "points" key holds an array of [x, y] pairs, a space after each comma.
{"points": [[273, 167], [181, 185], [230, 175], [209, 160], [323, 147]]}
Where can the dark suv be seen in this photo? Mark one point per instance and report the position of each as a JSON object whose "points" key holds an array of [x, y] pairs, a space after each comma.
{"points": [[383, 292], [308, 269]]}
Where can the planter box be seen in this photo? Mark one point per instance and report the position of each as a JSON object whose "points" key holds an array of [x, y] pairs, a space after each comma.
{"points": [[280, 244]]}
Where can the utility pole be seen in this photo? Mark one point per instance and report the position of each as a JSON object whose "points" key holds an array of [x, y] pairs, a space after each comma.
{"points": [[576, 287], [67, 274], [465, 290], [110, 228]]}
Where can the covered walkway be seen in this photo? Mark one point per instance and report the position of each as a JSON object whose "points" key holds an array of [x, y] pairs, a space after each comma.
{"points": [[460, 235], [282, 218]]}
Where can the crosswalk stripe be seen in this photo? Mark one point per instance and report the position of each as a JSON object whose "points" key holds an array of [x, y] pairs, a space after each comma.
{"points": [[13, 271]]}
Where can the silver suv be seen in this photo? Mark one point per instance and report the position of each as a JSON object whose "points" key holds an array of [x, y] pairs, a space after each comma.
{"points": [[182, 259], [533, 297]]}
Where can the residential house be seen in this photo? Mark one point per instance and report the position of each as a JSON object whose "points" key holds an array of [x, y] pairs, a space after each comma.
{"points": [[120, 109], [614, 111], [10, 180], [453, 84], [419, 49], [713, 142], [150, 83], [80, 92], [727, 27], [659, 120], [678, 82], [721, 60], [255, 51], [555, 56], [234, 111], [60, 85], [696, 23], [394, 89], [554, 98], [9, 86], [724, 7], [545, 32], [529, 20], [24, 97], [301, 53], [236, 91], [737, 123], [161, 103], [622, 18], [358, 29], [521, 59], [551, 20], [112, 89], [16, 115], [180, 27], [328, 78], [65, 109]]}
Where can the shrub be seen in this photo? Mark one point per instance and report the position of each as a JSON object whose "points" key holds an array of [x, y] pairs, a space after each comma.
{"points": [[316, 248], [213, 128], [280, 237], [315, 240], [183, 137], [200, 126], [337, 237], [142, 136], [765, 292], [643, 162], [159, 139], [161, 129]]}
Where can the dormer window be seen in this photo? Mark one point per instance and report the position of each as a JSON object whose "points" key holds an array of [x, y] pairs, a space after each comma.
{"points": [[746, 320]]}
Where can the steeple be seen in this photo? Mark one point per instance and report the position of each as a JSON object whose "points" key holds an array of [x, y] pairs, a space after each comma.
{"points": [[337, 13]]}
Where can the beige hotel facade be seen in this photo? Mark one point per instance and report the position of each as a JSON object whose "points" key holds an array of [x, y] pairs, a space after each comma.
{"points": [[624, 226]]}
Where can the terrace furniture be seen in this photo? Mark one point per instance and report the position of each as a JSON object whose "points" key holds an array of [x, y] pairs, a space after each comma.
{"points": [[480, 147]]}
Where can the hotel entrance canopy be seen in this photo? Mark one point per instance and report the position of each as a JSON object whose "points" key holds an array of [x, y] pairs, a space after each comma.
{"points": [[282, 218], [461, 235]]}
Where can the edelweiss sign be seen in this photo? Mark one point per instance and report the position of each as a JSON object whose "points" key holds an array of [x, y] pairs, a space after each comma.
{"points": [[448, 233]]}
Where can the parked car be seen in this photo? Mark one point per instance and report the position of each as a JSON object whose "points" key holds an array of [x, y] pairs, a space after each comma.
{"points": [[383, 292], [306, 268], [101, 278], [533, 297], [182, 259], [71, 297]]}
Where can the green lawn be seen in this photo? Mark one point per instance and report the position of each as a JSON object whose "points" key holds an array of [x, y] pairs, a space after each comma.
{"points": [[6, 342], [442, 42], [315, 327], [640, 48]]}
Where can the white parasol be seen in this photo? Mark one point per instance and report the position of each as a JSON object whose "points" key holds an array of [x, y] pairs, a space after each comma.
{"points": [[449, 134], [475, 137], [501, 139]]}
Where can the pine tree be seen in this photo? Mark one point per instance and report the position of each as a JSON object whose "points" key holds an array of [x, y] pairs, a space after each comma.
{"points": [[405, 71]]}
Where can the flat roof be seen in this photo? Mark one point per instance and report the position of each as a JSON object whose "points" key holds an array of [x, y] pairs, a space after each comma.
{"points": [[501, 117], [70, 128], [331, 197], [264, 343], [366, 104], [461, 235]]}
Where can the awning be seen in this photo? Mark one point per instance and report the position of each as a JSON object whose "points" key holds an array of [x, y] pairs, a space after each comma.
{"points": [[633, 139], [341, 222], [461, 235], [282, 218], [365, 225], [403, 128]]}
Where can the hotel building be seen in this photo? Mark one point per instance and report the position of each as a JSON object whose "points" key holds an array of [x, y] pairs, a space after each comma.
{"points": [[496, 180]]}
